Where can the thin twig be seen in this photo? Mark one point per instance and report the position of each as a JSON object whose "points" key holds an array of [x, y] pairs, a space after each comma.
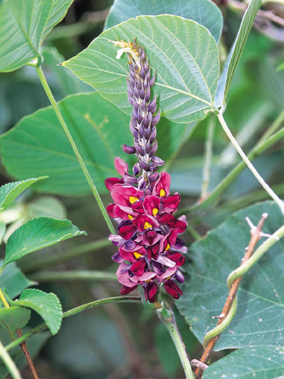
{"points": [[255, 236], [27, 355], [23, 344]]}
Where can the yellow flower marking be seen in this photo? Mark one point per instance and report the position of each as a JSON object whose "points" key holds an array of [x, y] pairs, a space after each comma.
{"points": [[133, 199], [162, 193], [155, 211], [137, 255], [168, 246], [130, 217], [147, 225]]}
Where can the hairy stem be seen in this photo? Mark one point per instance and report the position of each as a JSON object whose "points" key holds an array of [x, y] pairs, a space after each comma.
{"points": [[60, 276], [65, 255], [74, 311], [4, 355], [74, 147], [230, 307], [267, 188], [208, 157], [168, 318], [23, 344]]}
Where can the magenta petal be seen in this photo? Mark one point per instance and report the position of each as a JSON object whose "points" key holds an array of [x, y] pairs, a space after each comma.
{"points": [[172, 289], [138, 267], [111, 182], [165, 261], [123, 194], [121, 166], [146, 276], [169, 272], [171, 203], [163, 184]]}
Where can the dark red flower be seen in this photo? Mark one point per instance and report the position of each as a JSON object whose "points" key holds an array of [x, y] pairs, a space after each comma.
{"points": [[172, 289]]}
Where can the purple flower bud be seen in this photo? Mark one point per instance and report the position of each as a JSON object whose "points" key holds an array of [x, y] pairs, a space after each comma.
{"points": [[153, 80], [130, 99], [157, 161], [153, 135], [142, 94], [134, 114], [154, 147], [144, 165], [152, 106], [136, 169], [129, 149], [117, 240], [148, 147], [147, 95], [136, 92], [130, 245], [141, 130], [147, 77], [139, 149], [131, 179], [117, 258], [146, 65], [156, 118], [142, 72], [134, 131], [179, 276], [154, 176], [147, 133], [141, 183]]}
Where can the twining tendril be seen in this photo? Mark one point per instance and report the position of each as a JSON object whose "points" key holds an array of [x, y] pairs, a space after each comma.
{"points": [[233, 281]]}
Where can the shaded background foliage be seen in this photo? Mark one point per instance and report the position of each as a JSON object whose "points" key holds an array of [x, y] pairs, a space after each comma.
{"points": [[126, 341]]}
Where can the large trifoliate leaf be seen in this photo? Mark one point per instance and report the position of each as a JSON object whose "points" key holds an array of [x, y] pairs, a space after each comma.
{"points": [[46, 305], [251, 363], [205, 12], [182, 53], [13, 280], [14, 318], [260, 313], [37, 234], [10, 191], [236, 52], [23, 27], [39, 145]]}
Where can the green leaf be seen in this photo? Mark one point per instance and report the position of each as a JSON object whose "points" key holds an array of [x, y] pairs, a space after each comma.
{"points": [[23, 27], [46, 305], [38, 144], [10, 191], [260, 312], [13, 280], [37, 234], [46, 206], [2, 230], [236, 52], [252, 363], [69, 84], [14, 318], [204, 12], [182, 53]]}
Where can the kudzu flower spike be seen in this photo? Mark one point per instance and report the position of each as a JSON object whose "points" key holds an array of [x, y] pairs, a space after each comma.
{"points": [[150, 251]]}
